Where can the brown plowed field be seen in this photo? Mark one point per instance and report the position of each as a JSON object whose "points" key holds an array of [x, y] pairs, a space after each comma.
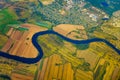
{"points": [[20, 43]]}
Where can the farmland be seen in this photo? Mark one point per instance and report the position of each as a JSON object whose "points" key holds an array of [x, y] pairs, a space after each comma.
{"points": [[94, 60], [19, 42], [46, 2], [62, 60], [7, 17], [3, 40], [76, 32]]}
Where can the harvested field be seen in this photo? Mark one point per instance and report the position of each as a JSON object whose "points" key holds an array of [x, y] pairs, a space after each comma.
{"points": [[16, 76], [54, 69], [76, 32], [20, 43]]}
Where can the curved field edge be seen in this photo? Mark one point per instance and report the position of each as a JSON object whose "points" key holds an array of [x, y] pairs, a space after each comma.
{"points": [[38, 47]]}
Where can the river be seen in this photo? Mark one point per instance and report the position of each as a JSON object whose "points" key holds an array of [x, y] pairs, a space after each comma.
{"points": [[38, 47]]}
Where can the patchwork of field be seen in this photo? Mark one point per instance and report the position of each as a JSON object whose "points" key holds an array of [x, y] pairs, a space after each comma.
{"points": [[20, 43], [62, 60], [51, 44], [23, 72], [94, 61], [97, 60], [52, 68]]}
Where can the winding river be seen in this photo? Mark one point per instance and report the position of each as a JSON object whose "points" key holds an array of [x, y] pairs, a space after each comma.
{"points": [[38, 47]]}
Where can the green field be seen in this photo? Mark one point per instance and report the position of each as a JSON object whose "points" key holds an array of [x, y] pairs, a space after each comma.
{"points": [[44, 24], [6, 17]]}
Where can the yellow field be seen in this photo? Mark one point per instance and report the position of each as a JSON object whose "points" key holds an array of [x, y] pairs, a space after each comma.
{"points": [[46, 2], [54, 69], [3, 40], [82, 75]]}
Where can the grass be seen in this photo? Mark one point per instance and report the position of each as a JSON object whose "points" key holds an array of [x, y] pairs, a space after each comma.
{"points": [[101, 72], [26, 70], [41, 65], [4, 77], [3, 40], [7, 17], [82, 46], [50, 44], [44, 24]]}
